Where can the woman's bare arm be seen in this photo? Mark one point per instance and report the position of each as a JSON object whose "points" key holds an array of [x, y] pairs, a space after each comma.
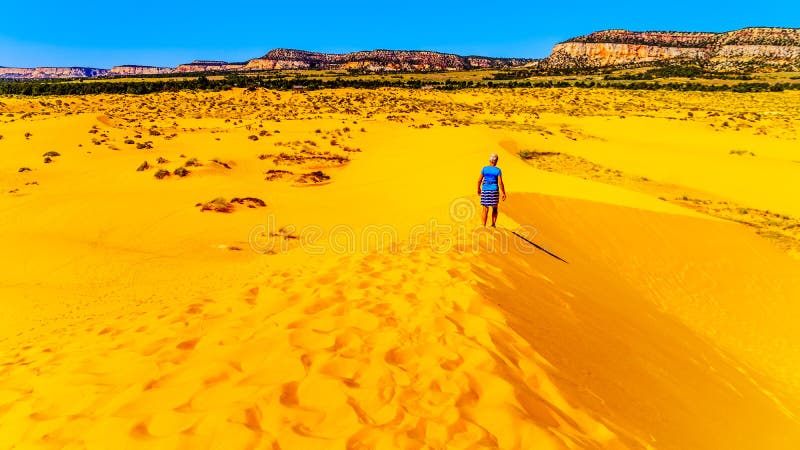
{"points": [[480, 181], [502, 186]]}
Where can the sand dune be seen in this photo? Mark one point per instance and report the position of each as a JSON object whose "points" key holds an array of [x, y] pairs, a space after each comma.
{"points": [[335, 317], [686, 367]]}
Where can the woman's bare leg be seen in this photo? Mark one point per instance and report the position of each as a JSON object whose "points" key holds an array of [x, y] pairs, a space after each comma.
{"points": [[485, 214], [494, 216]]}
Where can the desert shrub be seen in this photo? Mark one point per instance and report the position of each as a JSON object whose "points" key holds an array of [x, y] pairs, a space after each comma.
{"points": [[161, 173], [129, 141], [52, 153], [181, 172], [192, 162], [219, 204], [531, 154], [250, 202], [143, 166], [28, 135], [316, 176], [274, 174], [308, 155], [24, 169], [252, 137], [161, 160], [221, 163], [154, 132]]}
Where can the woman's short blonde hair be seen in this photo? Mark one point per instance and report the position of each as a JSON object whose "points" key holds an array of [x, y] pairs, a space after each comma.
{"points": [[493, 157]]}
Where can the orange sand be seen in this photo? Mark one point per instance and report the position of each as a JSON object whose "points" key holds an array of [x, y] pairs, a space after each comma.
{"points": [[128, 318]]}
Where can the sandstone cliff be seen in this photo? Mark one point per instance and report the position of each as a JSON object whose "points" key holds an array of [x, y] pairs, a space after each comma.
{"points": [[50, 72], [776, 47], [205, 66], [375, 60], [771, 48], [131, 70]]}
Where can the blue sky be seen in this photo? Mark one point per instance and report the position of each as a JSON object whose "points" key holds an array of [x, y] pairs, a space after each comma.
{"points": [[170, 32]]}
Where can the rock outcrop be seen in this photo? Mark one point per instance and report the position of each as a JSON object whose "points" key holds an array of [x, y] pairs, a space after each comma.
{"points": [[776, 47], [206, 66], [770, 48], [376, 60], [131, 70], [50, 72]]}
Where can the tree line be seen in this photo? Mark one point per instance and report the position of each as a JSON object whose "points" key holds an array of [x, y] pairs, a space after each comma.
{"points": [[202, 83]]}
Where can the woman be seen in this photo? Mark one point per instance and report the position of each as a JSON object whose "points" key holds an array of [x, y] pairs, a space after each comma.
{"points": [[490, 186]]}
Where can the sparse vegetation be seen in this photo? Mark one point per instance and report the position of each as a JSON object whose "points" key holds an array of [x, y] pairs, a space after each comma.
{"points": [[514, 78], [219, 204], [250, 202], [316, 176], [274, 174], [531, 154], [221, 163], [181, 172]]}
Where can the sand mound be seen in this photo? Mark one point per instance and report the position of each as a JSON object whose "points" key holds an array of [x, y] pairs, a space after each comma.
{"points": [[665, 328], [644, 290], [374, 350]]}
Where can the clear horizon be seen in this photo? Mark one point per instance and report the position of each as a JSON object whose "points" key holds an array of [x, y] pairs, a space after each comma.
{"points": [[154, 33]]}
